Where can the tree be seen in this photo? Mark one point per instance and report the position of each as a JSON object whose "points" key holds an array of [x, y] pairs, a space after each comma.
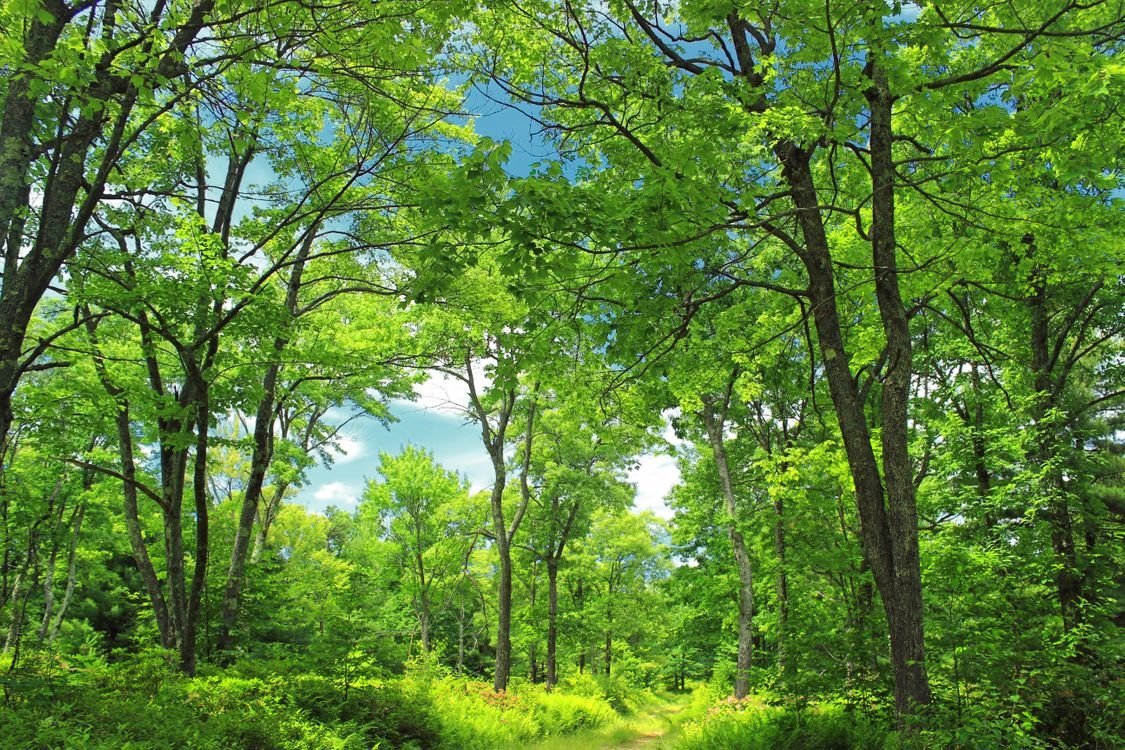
{"points": [[573, 471], [748, 128], [411, 504]]}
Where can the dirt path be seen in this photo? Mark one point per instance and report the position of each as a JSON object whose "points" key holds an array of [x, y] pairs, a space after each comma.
{"points": [[654, 736], [651, 728]]}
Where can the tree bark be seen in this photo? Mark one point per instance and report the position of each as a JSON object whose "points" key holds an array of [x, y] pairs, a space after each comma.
{"points": [[260, 461], [785, 660], [1068, 579], [715, 424], [71, 570], [130, 508], [888, 518], [552, 622]]}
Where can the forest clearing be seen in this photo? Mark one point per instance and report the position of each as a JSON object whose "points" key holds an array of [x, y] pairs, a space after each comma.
{"points": [[495, 374]]}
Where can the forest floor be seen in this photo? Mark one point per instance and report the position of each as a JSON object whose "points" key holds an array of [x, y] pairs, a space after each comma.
{"points": [[652, 727]]}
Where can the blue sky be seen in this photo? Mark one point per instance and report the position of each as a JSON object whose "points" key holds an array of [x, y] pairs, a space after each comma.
{"points": [[436, 421]]}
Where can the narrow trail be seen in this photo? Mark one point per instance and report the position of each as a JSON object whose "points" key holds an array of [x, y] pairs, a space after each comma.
{"points": [[651, 728], [652, 738]]}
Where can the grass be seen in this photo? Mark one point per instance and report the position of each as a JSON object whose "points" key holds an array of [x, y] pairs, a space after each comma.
{"points": [[652, 727]]}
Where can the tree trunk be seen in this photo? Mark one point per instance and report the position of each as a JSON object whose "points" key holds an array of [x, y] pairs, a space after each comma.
{"points": [[888, 519], [905, 615], [1068, 579], [71, 570], [173, 462], [202, 539], [423, 601], [785, 660], [48, 582], [504, 614], [552, 622], [715, 424], [263, 435], [504, 595], [608, 653]]}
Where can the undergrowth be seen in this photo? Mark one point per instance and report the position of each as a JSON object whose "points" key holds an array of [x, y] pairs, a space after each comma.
{"points": [[145, 703]]}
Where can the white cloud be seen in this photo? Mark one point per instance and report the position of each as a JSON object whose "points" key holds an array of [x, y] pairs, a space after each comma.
{"points": [[348, 449], [446, 394], [654, 478], [337, 414], [337, 493], [442, 393], [669, 434]]}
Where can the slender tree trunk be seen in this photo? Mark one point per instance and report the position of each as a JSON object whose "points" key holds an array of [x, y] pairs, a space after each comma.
{"points": [[173, 460], [552, 622], [202, 538], [48, 581], [71, 571], [1068, 579], [131, 514], [608, 652], [977, 425], [504, 615], [715, 425], [16, 623], [460, 638], [786, 661], [504, 584], [423, 601], [263, 451]]}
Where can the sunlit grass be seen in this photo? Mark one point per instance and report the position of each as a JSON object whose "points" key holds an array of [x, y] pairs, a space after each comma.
{"points": [[654, 726]]}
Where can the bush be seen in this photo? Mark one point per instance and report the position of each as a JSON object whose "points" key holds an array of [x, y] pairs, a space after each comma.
{"points": [[562, 713], [750, 724], [473, 716]]}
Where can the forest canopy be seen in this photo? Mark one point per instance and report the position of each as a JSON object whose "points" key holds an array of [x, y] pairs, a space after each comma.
{"points": [[855, 267]]}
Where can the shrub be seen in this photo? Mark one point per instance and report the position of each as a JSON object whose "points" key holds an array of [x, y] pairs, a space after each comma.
{"points": [[750, 724], [562, 713]]}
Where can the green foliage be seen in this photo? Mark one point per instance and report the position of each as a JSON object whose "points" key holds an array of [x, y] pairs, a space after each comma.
{"points": [[754, 725], [53, 704]]}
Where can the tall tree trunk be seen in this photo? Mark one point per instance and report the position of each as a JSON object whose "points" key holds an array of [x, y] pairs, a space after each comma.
{"points": [[131, 514], [715, 423], [888, 518], [552, 622], [263, 423], [173, 464], [785, 660], [423, 602], [18, 600], [904, 618], [71, 570], [504, 613], [202, 538], [48, 581], [494, 441], [129, 488], [608, 650], [1068, 579]]}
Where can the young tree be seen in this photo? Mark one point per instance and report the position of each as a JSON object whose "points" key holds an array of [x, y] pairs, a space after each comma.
{"points": [[411, 505]]}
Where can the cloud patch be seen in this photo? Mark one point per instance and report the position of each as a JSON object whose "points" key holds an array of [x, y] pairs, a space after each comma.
{"points": [[348, 449], [340, 494], [654, 478]]}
